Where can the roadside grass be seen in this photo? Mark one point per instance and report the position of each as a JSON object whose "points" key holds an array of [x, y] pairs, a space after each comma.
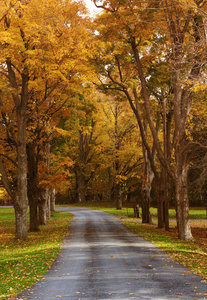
{"points": [[24, 263], [191, 254]]}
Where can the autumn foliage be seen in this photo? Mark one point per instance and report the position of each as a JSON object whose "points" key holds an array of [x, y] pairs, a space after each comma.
{"points": [[104, 109]]}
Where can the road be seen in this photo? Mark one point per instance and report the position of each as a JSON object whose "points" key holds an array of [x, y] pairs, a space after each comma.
{"points": [[101, 259]]}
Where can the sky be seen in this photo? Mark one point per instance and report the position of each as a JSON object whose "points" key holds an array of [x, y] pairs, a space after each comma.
{"points": [[90, 5]]}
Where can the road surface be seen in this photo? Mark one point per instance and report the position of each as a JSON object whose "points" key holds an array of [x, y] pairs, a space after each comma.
{"points": [[101, 259]]}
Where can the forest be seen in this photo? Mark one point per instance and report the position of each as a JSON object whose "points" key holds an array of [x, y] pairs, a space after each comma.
{"points": [[104, 108]]}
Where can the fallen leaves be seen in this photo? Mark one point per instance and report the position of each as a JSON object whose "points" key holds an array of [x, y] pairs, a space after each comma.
{"points": [[26, 262]]}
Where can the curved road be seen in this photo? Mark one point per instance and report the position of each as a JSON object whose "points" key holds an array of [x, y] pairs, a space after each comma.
{"points": [[101, 259]]}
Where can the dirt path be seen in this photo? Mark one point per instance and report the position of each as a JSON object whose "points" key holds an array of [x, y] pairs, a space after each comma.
{"points": [[101, 259]]}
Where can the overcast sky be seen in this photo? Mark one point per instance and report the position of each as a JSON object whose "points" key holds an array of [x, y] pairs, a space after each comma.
{"points": [[90, 5]]}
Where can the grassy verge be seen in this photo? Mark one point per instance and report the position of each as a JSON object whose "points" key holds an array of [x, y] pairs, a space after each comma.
{"points": [[191, 254], [23, 263]]}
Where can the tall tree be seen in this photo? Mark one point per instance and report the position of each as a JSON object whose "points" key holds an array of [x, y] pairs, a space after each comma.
{"points": [[184, 32], [38, 49]]}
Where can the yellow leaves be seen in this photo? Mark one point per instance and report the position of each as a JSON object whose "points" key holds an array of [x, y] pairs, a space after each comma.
{"points": [[187, 3], [62, 132]]}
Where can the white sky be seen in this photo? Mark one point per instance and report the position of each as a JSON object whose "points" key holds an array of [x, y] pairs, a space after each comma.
{"points": [[90, 5]]}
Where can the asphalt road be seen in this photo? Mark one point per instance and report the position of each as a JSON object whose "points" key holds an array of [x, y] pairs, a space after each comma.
{"points": [[101, 259]]}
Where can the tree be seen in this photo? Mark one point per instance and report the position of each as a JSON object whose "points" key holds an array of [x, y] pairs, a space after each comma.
{"points": [[183, 28], [38, 51], [114, 62], [121, 144]]}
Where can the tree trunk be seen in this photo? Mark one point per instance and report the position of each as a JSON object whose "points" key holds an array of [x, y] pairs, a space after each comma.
{"points": [[52, 199], [166, 200], [48, 202], [182, 203], [118, 197], [145, 200], [21, 202], [81, 187], [146, 187], [33, 200], [110, 184], [32, 190], [136, 211], [20, 102], [42, 207], [160, 201]]}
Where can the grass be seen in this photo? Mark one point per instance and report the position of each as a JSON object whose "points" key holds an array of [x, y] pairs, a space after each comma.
{"points": [[23, 263], [191, 254]]}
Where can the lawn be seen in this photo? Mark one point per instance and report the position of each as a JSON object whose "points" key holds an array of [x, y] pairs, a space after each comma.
{"points": [[23, 263]]}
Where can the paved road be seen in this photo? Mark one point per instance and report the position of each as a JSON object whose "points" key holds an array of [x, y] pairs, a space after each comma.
{"points": [[101, 259]]}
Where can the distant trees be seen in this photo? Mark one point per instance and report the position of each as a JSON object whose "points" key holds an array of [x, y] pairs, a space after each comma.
{"points": [[101, 141]]}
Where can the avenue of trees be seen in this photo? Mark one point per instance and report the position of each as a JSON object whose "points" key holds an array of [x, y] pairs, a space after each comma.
{"points": [[106, 109]]}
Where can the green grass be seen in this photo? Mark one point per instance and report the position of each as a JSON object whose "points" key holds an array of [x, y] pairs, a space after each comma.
{"points": [[23, 263], [195, 214]]}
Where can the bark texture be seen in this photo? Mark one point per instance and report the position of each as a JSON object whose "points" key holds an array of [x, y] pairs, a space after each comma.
{"points": [[32, 191], [42, 207]]}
